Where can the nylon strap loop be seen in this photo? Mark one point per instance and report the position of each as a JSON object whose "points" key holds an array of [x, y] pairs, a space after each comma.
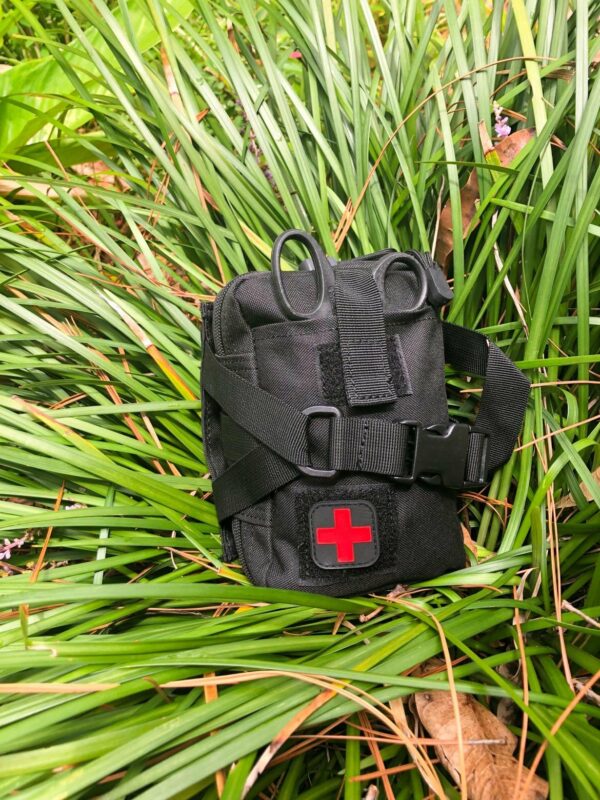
{"points": [[363, 345], [505, 392], [269, 419]]}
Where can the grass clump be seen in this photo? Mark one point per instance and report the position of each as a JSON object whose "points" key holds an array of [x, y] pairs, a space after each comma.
{"points": [[151, 151]]}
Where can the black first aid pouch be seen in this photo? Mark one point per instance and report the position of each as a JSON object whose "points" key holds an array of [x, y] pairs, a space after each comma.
{"points": [[335, 465]]}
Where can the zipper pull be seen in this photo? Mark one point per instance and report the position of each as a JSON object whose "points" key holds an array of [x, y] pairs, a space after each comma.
{"points": [[230, 552], [438, 291]]}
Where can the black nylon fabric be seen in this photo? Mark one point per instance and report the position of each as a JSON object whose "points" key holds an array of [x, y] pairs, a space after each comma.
{"points": [[260, 371]]}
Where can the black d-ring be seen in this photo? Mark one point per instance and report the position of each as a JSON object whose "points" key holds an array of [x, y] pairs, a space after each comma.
{"points": [[320, 411], [404, 261], [320, 264]]}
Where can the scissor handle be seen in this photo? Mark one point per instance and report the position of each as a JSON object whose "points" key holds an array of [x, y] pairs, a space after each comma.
{"points": [[319, 261], [404, 261]]}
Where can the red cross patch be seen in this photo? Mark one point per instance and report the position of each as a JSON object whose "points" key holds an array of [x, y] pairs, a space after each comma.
{"points": [[344, 534]]}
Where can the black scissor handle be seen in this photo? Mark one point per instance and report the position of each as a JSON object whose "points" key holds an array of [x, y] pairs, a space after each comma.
{"points": [[404, 261], [319, 261]]}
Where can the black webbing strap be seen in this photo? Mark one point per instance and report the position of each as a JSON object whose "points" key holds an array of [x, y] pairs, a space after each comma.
{"points": [[504, 396], [354, 444], [292, 441], [270, 420], [363, 344], [357, 445], [368, 444], [253, 477]]}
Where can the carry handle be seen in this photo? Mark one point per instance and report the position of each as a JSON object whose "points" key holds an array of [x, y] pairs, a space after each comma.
{"points": [[320, 264]]}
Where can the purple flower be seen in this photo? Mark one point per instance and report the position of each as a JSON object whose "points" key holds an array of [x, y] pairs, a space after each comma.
{"points": [[501, 125], [8, 546]]}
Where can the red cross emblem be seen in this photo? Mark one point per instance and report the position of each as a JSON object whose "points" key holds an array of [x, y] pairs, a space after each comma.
{"points": [[344, 535]]}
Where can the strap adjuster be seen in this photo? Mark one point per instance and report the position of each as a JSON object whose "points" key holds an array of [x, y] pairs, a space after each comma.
{"points": [[319, 411], [440, 454]]}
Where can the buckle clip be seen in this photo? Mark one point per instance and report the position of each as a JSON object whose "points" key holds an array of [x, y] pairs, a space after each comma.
{"points": [[320, 411], [439, 455]]}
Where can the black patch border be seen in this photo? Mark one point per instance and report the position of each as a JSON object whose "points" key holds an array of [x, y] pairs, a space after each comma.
{"points": [[335, 504], [381, 497]]}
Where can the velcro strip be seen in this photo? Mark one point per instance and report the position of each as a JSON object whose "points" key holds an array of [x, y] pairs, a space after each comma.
{"points": [[332, 373]]}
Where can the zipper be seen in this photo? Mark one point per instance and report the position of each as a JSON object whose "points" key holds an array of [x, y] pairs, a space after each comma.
{"points": [[438, 291], [236, 526], [230, 538], [230, 550], [217, 328]]}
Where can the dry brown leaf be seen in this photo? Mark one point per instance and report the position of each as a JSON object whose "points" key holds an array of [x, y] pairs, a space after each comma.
{"points": [[97, 174], [568, 502], [491, 768], [231, 36], [16, 187], [417, 752], [507, 150], [468, 542], [211, 693]]}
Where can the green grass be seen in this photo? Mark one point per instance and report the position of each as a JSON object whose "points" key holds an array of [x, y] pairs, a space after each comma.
{"points": [[217, 125]]}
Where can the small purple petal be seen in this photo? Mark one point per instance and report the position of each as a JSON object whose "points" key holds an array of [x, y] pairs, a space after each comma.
{"points": [[502, 129]]}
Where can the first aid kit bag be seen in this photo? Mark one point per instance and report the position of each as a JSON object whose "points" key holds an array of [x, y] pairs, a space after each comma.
{"points": [[335, 464]]}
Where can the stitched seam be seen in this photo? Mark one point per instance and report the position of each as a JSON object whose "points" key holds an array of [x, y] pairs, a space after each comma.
{"points": [[235, 359], [244, 369], [374, 396], [261, 336], [362, 444], [262, 522]]}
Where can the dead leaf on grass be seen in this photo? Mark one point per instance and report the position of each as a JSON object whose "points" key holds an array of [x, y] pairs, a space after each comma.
{"points": [[568, 501], [491, 769], [504, 152]]}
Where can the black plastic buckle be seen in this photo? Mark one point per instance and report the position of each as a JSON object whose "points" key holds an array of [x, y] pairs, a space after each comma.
{"points": [[320, 411], [439, 455]]}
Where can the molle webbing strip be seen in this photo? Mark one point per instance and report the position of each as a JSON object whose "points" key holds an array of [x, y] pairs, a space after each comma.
{"points": [[359, 308]]}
